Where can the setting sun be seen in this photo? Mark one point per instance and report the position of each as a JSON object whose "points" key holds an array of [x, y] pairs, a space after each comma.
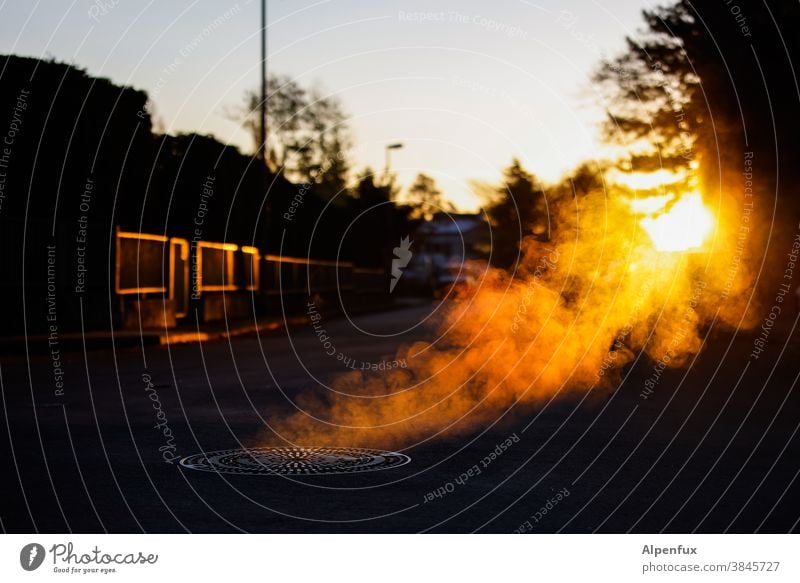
{"points": [[683, 226]]}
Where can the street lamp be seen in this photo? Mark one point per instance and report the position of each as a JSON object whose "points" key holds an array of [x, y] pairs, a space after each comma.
{"points": [[387, 167], [387, 208]]}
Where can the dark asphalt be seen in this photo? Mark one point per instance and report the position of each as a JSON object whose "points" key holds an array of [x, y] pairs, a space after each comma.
{"points": [[707, 453]]}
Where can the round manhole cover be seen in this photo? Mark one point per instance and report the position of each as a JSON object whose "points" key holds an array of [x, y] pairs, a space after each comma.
{"points": [[295, 461]]}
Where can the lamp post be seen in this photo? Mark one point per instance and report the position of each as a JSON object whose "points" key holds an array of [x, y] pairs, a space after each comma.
{"points": [[263, 128], [387, 208], [264, 225], [387, 167]]}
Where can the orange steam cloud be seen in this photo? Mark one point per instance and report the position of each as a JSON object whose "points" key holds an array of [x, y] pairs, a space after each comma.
{"points": [[578, 308]]}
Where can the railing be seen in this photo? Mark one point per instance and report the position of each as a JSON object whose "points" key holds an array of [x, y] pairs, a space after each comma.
{"points": [[150, 264], [295, 275], [179, 270]]}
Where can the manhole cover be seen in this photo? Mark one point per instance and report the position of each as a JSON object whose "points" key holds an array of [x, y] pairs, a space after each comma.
{"points": [[295, 461]]}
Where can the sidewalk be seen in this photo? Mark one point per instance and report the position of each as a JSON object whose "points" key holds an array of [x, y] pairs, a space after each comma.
{"points": [[117, 339], [186, 333]]}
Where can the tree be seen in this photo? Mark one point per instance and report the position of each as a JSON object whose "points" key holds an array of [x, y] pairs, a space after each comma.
{"points": [[652, 97], [307, 134], [516, 209], [368, 192], [425, 198], [76, 150], [376, 219], [184, 165], [585, 178], [701, 85], [706, 88]]}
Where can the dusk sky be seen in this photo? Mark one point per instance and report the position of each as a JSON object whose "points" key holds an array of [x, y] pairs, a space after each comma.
{"points": [[464, 85]]}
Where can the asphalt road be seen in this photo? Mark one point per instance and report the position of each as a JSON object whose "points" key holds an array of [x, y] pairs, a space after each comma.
{"points": [[713, 450]]}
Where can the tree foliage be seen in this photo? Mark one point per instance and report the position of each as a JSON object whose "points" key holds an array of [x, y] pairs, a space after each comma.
{"points": [[308, 137], [516, 209], [712, 87], [425, 198], [703, 83]]}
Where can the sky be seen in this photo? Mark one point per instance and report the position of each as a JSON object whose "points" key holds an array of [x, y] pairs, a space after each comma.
{"points": [[463, 85]]}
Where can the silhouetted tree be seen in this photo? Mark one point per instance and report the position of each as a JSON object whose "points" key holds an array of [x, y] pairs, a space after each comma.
{"points": [[585, 178], [376, 220], [189, 165], [308, 136], [368, 192], [516, 209], [705, 86], [425, 198], [75, 156]]}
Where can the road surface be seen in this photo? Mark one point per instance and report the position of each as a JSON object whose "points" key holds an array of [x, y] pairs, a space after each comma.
{"points": [[698, 455]]}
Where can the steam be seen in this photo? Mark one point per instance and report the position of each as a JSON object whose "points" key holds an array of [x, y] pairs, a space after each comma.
{"points": [[575, 311]]}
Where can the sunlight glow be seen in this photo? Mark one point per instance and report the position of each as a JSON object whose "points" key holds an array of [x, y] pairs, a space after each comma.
{"points": [[646, 180], [651, 204], [683, 226]]}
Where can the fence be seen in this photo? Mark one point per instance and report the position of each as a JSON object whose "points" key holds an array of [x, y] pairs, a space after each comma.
{"points": [[223, 279]]}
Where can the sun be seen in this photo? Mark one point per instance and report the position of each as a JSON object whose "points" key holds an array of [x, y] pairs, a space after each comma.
{"points": [[682, 225]]}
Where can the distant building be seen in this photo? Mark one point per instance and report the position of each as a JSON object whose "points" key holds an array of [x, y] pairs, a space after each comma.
{"points": [[445, 251], [455, 236]]}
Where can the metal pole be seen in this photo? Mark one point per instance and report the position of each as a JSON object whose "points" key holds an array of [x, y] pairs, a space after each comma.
{"points": [[263, 136]]}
